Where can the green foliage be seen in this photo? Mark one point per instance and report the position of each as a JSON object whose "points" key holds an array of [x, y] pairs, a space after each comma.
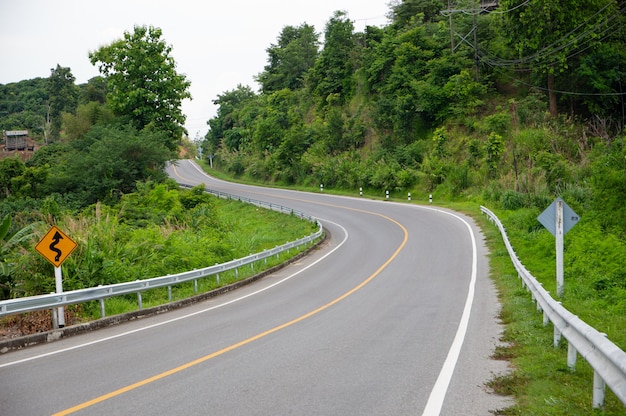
{"points": [[290, 59], [23, 105], [11, 243], [233, 113], [609, 186], [333, 70], [464, 92], [63, 97], [143, 85], [87, 116], [158, 230], [493, 152], [404, 12], [439, 142], [548, 35], [153, 204]]}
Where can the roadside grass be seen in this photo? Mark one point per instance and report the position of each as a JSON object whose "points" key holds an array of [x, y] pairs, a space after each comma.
{"points": [[110, 251], [155, 297], [540, 380]]}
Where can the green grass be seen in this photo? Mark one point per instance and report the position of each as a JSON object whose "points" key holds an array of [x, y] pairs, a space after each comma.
{"points": [[160, 296], [540, 380]]}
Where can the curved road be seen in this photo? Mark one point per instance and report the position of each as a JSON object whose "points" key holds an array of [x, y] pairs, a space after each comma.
{"points": [[393, 315]]}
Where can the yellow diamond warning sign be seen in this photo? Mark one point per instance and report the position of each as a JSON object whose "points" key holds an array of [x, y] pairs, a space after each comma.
{"points": [[55, 246]]}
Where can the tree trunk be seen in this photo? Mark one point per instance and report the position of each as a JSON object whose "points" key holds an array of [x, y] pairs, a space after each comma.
{"points": [[552, 96]]}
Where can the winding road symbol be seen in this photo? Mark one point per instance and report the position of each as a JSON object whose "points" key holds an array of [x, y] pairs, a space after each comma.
{"points": [[55, 246]]}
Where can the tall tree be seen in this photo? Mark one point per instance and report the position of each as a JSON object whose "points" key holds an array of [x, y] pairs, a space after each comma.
{"points": [[63, 96], [547, 34], [94, 90], [143, 84], [333, 72], [403, 11], [290, 59], [230, 103]]}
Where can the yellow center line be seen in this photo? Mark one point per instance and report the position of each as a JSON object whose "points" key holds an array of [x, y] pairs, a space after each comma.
{"points": [[232, 347]]}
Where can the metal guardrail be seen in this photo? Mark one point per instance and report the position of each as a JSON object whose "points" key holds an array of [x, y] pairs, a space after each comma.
{"points": [[55, 300], [607, 360]]}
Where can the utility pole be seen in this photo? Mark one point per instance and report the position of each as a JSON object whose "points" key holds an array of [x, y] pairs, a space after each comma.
{"points": [[482, 7], [451, 30]]}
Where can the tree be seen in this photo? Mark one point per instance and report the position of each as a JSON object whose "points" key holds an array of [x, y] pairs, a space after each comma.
{"points": [[63, 96], [290, 59], [548, 34], [87, 115], [403, 11], [94, 90], [143, 84], [230, 105], [332, 75]]}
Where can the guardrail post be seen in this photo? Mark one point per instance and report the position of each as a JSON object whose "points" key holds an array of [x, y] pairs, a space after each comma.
{"points": [[195, 285], [55, 321], [102, 310], [546, 318], [139, 301], [571, 356], [557, 337], [599, 388]]}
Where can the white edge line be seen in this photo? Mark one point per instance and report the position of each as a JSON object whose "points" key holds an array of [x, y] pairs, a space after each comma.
{"points": [[185, 316], [438, 393]]}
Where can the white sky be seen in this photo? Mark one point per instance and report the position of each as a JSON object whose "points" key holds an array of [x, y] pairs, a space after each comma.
{"points": [[216, 44]]}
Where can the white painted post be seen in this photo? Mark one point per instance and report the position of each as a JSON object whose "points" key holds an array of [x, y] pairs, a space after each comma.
{"points": [[599, 387], [58, 279], [409, 196], [557, 337], [571, 356], [430, 198], [387, 194], [55, 321], [559, 248], [361, 191]]}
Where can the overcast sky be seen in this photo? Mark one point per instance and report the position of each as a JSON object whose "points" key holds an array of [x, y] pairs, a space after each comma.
{"points": [[216, 44]]}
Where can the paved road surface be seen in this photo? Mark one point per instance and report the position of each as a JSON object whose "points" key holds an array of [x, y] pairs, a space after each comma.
{"points": [[393, 315]]}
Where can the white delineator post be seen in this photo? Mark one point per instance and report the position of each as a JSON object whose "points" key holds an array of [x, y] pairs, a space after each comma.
{"points": [[559, 247]]}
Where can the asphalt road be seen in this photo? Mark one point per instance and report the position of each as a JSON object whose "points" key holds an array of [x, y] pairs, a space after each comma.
{"points": [[392, 315]]}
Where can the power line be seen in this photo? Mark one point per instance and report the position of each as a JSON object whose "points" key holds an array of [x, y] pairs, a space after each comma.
{"points": [[555, 47]]}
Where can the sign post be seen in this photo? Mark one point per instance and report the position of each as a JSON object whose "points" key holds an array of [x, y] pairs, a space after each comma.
{"points": [[558, 218], [55, 246]]}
